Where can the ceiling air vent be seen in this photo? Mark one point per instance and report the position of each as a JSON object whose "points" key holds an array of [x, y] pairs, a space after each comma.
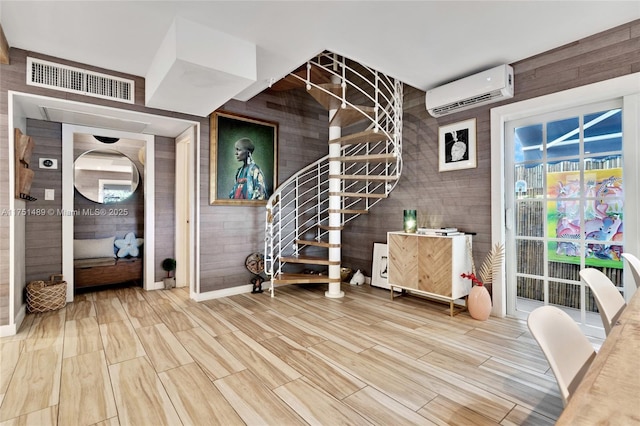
{"points": [[69, 79]]}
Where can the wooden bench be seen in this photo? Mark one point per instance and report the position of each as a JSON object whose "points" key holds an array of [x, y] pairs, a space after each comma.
{"points": [[120, 271]]}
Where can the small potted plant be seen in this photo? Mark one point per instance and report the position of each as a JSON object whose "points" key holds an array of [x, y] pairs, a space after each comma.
{"points": [[169, 265]]}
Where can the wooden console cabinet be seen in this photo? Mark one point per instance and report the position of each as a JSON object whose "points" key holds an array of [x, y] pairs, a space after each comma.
{"points": [[429, 265]]}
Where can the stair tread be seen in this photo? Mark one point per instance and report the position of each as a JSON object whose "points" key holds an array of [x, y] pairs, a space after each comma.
{"points": [[373, 158], [302, 279], [316, 243], [358, 195], [311, 260], [343, 116], [350, 211], [365, 136], [324, 98], [331, 228], [349, 115], [297, 78], [365, 177], [288, 82]]}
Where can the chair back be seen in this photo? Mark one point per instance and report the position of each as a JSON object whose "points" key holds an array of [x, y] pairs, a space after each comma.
{"points": [[634, 263], [566, 348], [609, 300]]}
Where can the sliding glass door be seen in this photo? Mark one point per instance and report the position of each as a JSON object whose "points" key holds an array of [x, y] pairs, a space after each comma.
{"points": [[565, 207]]}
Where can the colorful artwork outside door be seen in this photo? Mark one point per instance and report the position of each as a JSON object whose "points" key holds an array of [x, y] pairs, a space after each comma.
{"points": [[601, 217]]}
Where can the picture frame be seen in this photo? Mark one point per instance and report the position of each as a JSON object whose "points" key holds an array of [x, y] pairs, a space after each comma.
{"points": [[457, 146], [380, 265], [242, 182]]}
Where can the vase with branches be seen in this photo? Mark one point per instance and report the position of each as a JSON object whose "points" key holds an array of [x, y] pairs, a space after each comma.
{"points": [[491, 264], [479, 300]]}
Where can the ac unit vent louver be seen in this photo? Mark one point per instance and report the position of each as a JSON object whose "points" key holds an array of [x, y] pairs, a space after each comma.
{"points": [[463, 104], [69, 79]]}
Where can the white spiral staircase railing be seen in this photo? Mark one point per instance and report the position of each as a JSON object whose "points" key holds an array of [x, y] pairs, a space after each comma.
{"points": [[306, 213]]}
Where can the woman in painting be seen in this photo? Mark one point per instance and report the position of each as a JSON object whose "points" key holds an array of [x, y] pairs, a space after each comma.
{"points": [[250, 183]]}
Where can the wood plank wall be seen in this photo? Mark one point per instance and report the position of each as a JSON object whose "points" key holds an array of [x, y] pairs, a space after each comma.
{"points": [[13, 77], [462, 198], [165, 177], [228, 234], [43, 233]]}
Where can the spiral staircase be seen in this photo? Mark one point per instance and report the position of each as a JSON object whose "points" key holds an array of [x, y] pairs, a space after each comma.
{"points": [[306, 214]]}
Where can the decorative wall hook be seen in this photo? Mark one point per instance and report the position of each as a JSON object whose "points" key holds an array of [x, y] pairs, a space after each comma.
{"points": [[27, 197]]}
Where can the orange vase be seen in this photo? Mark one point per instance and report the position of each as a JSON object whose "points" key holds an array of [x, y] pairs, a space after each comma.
{"points": [[479, 303]]}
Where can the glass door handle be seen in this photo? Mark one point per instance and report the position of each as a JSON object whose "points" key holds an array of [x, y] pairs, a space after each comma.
{"points": [[508, 219]]}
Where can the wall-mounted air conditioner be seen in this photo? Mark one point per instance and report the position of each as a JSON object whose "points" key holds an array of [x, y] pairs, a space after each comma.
{"points": [[486, 87]]}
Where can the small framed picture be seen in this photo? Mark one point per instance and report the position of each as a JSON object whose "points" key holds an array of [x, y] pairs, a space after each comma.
{"points": [[380, 266], [457, 146]]}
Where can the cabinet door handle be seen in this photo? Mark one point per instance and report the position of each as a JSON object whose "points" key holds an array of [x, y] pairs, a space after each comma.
{"points": [[508, 219]]}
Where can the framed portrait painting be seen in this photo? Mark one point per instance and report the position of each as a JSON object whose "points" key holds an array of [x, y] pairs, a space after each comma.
{"points": [[244, 159], [457, 146]]}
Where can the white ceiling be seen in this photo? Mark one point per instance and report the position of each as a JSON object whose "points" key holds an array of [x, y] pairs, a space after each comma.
{"points": [[422, 43]]}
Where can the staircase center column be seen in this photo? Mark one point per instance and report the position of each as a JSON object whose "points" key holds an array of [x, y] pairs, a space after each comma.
{"points": [[335, 219]]}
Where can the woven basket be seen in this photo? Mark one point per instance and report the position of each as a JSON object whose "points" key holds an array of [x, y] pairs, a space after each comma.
{"points": [[44, 296]]}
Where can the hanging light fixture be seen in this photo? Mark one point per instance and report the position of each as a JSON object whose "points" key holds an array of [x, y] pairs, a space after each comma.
{"points": [[106, 139]]}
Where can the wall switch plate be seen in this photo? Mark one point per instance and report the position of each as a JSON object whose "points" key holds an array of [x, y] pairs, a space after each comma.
{"points": [[49, 194], [48, 163]]}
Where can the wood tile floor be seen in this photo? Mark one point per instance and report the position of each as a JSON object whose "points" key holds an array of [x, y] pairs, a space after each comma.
{"points": [[129, 357]]}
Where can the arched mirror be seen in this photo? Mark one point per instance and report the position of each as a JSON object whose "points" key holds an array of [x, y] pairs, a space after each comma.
{"points": [[105, 176]]}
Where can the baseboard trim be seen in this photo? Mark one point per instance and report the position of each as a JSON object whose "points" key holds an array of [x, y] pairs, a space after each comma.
{"points": [[216, 294], [158, 285], [12, 329]]}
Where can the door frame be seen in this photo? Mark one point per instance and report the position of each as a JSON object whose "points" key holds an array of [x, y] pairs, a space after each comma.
{"points": [[184, 209], [628, 88], [148, 182]]}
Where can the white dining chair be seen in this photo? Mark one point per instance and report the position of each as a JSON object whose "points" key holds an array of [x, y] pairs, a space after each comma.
{"points": [[634, 263], [609, 300], [566, 348]]}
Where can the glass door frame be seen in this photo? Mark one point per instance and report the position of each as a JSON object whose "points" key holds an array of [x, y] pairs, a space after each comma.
{"points": [[628, 89], [554, 279]]}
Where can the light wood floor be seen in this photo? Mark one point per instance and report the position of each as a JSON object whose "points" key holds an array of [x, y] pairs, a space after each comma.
{"points": [[125, 356]]}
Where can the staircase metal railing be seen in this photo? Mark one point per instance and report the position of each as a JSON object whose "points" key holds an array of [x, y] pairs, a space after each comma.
{"points": [[371, 160]]}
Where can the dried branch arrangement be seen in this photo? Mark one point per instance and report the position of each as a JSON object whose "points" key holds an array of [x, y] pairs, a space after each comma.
{"points": [[491, 263]]}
